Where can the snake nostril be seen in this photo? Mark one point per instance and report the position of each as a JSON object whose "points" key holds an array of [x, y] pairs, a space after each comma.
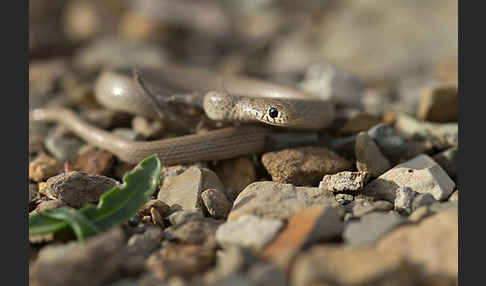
{"points": [[273, 112]]}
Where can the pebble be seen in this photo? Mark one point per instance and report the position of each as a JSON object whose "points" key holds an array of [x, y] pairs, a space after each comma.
{"points": [[389, 141], [78, 188], [273, 200], [422, 200], [358, 123], [370, 228], [422, 174], [216, 203], [344, 199], [311, 225], [143, 244], [440, 135], [185, 189], [369, 157], [150, 129], [439, 104], [63, 148], [344, 181], [361, 207], [448, 160], [201, 231], [404, 199], [329, 82], [92, 161], [236, 174], [44, 167], [303, 166], [181, 217], [80, 264], [249, 231]]}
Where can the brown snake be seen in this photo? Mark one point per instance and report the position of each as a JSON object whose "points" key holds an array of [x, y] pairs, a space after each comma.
{"points": [[243, 99]]}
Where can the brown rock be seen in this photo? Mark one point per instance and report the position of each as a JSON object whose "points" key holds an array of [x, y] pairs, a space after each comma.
{"points": [[303, 166], [344, 181], [439, 104], [92, 161], [47, 205], [310, 225], [236, 174], [44, 167], [216, 203], [369, 157], [359, 122], [197, 231], [278, 201]]}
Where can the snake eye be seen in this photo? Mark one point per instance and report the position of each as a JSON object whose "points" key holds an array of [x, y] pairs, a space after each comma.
{"points": [[273, 112]]}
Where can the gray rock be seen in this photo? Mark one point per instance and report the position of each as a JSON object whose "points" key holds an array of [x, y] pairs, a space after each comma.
{"points": [[330, 83], [404, 199], [422, 174], [422, 200], [143, 244], [361, 207], [185, 190], [369, 157], [448, 160], [96, 262], [278, 201], [63, 148], [344, 181], [180, 217], [78, 188], [216, 203], [370, 228], [389, 141], [195, 231], [248, 231]]}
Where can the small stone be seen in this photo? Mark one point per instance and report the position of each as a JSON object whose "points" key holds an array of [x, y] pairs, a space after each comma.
{"points": [[150, 129], [369, 157], [196, 231], [162, 208], [143, 244], [439, 104], [236, 174], [303, 166], [273, 200], [185, 189], [358, 123], [181, 217], [78, 188], [80, 264], [361, 207], [404, 199], [448, 160], [422, 174], [454, 197], [47, 205], [311, 225], [344, 181], [389, 142], [44, 167], [64, 148], [216, 203], [248, 231], [422, 200], [344, 199], [92, 161], [370, 228]]}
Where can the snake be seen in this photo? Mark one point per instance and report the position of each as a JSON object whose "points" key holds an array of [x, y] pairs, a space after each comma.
{"points": [[258, 105]]}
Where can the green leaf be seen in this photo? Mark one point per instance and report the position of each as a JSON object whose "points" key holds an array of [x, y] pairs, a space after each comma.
{"points": [[115, 206]]}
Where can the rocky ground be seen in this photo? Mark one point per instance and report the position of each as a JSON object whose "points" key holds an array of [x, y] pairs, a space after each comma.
{"points": [[372, 200]]}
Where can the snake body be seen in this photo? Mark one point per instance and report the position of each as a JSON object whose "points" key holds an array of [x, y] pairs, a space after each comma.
{"points": [[234, 98]]}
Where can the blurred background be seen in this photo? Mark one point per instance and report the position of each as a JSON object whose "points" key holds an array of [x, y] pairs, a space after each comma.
{"points": [[394, 48]]}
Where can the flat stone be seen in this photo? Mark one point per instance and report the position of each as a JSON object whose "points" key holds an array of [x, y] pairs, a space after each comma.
{"points": [[249, 231], [448, 160], [371, 227], [63, 148], [78, 188], [181, 217], [309, 226], [236, 174], [92, 161], [44, 167], [389, 141], [344, 181], [439, 104], [216, 203], [422, 174], [185, 190], [303, 166], [273, 200], [80, 264], [369, 157]]}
